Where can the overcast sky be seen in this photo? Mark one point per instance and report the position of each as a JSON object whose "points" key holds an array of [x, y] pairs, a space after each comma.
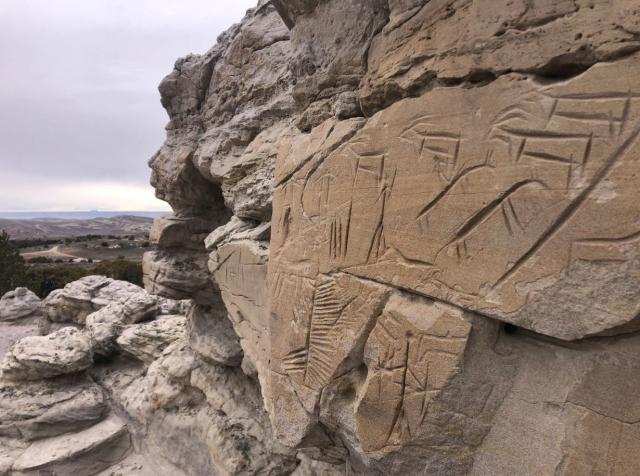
{"points": [[80, 113]]}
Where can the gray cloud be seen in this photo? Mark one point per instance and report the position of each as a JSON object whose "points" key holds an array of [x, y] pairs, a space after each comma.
{"points": [[78, 91]]}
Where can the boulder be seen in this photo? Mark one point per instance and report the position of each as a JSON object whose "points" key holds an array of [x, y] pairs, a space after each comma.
{"points": [[138, 307], [211, 334], [178, 275], [172, 231], [80, 298], [36, 357], [35, 410], [18, 304], [168, 306], [147, 341], [105, 325]]}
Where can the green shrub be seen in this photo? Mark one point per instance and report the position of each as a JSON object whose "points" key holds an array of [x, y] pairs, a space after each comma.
{"points": [[12, 265], [44, 280], [39, 259], [14, 272], [121, 269]]}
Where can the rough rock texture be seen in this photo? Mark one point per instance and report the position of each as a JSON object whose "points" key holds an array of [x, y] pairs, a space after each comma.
{"points": [[199, 417], [49, 408], [80, 298], [36, 357], [415, 224], [408, 233], [211, 334], [147, 341], [18, 304], [106, 324], [240, 268], [429, 43], [520, 181], [86, 452], [54, 423]]}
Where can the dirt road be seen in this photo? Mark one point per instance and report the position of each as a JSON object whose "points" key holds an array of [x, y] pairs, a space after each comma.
{"points": [[52, 253]]}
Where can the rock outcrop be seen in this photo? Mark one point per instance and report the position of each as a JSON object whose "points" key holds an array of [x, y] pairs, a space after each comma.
{"points": [[421, 220], [62, 352], [128, 390], [19, 304], [80, 298], [408, 234], [85, 452], [147, 341], [48, 408]]}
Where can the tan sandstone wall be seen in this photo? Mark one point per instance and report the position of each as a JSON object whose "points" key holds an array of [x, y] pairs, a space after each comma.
{"points": [[415, 226]]}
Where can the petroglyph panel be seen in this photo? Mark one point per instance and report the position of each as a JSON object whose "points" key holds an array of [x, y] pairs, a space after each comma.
{"points": [[331, 320], [413, 351], [318, 328], [496, 199]]}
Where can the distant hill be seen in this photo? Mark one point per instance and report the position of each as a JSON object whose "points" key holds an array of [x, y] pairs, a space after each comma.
{"points": [[70, 227], [79, 215]]}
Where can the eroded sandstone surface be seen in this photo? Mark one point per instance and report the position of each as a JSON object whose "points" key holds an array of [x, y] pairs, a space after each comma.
{"points": [[407, 236], [431, 264]]}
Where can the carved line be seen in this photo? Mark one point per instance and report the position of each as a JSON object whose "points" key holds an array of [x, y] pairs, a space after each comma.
{"points": [[479, 217], [573, 207], [427, 208], [542, 135]]}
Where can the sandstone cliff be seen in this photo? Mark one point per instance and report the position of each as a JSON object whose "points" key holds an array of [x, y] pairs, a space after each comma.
{"points": [[408, 234], [423, 222]]}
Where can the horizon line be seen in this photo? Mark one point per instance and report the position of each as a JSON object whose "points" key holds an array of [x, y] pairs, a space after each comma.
{"points": [[83, 211]]}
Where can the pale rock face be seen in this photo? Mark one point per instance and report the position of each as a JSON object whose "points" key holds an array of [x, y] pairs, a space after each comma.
{"points": [[103, 327], [240, 268], [171, 306], [248, 184], [177, 275], [106, 324], [18, 304], [226, 232], [211, 334], [36, 357], [329, 68], [147, 341], [412, 353], [85, 452], [138, 307], [36, 410], [203, 418], [172, 232], [200, 95], [238, 398], [80, 298]]}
